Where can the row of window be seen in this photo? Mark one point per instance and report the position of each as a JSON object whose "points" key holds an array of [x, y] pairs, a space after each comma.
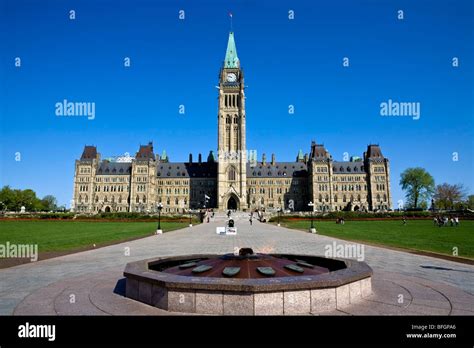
{"points": [[169, 191], [112, 188], [228, 119], [141, 170], [348, 178], [112, 179], [83, 188], [232, 100], [84, 170]]}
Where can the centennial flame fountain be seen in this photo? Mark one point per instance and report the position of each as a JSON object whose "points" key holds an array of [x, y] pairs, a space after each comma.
{"points": [[248, 283]]}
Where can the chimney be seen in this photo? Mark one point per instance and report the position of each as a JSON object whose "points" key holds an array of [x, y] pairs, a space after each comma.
{"points": [[199, 158], [273, 159], [264, 159], [190, 158]]}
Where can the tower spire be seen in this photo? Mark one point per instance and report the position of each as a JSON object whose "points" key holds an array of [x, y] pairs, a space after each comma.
{"points": [[231, 58]]}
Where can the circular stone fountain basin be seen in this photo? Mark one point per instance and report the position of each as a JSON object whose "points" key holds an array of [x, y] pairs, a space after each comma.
{"points": [[248, 284]]}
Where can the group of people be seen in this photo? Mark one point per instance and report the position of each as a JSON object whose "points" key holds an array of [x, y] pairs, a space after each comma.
{"points": [[441, 221], [340, 221]]}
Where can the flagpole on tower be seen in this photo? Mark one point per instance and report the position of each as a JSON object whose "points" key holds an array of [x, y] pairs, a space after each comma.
{"points": [[230, 15]]}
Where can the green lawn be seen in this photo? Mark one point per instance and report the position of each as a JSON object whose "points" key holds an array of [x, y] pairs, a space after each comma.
{"points": [[416, 235], [70, 235]]}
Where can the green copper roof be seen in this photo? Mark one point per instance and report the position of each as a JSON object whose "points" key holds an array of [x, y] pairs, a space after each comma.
{"points": [[163, 155], [300, 155], [231, 59]]}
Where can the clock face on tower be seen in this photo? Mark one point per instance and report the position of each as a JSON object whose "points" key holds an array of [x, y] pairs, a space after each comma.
{"points": [[231, 77]]}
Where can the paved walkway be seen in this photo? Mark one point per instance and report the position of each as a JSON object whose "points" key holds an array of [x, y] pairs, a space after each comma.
{"points": [[30, 288]]}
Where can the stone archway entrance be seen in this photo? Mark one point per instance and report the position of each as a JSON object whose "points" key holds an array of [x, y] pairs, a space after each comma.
{"points": [[232, 203], [107, 209]]}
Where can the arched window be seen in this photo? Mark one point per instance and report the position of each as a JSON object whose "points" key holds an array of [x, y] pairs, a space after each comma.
{"points": [[378, 198], [344, 198], [144, 199], [96, 199], [231, 174], [320, 198], [113, 199], [176, 201], [120, 199], [335, 198], [327, 198], [137, 200], [358, 198], [105, 199]]}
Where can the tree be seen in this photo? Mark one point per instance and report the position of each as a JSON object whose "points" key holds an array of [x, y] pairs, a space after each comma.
{"points": [[49, 203], [7, 197], [470, 201], [447, 196], [13, 200], [419, 186]]}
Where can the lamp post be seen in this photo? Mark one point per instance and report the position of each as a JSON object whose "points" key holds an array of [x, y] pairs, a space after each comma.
{"points": [[190, 218], [312, 229], [279, 214], [159, 207]]}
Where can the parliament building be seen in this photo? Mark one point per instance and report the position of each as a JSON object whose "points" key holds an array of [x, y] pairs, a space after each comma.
{"points": [[232, 178]]}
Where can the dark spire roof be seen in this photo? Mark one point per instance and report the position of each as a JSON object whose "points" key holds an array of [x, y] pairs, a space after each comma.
{"points": [[89, 153], [374, 151], [145, 152], [319, 152]]}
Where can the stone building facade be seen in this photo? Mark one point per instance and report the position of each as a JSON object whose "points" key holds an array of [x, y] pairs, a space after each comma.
{"points": [[232, 179]]}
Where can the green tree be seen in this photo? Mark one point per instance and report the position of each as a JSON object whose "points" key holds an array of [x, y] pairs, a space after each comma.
{"points": [[49, 203], [449, 196], [470, 201], [419, 186], [7, 197]]}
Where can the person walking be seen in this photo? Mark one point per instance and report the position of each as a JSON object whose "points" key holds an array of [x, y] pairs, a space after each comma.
{"points": [[251, 220]]}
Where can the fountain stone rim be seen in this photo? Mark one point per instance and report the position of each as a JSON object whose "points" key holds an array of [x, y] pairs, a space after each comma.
{"points": [[139, 270]]}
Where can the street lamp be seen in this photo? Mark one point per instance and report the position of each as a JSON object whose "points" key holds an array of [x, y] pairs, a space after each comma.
{"points": [[312, 229], [279, 214], [159, 207], [190, 218]]}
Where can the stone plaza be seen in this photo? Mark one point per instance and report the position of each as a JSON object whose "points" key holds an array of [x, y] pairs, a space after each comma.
{"points": [[92, 282]]}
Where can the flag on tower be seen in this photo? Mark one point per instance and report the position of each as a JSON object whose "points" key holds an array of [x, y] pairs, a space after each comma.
{"points": [[230, 14]]}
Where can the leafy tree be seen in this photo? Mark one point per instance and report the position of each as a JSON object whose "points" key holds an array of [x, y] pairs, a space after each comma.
{"points": [[448, 196], [49, 203], [470, 201], [419, 186], [14, 199]]}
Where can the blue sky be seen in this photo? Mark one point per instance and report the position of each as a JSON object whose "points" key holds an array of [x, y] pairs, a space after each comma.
{"points": [[287, 62]]}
